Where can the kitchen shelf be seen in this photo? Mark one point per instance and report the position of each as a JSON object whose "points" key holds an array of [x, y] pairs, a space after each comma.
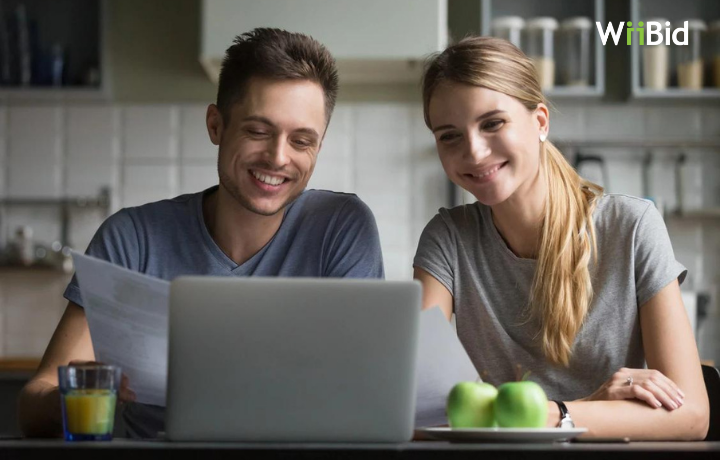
{"points": [[560, 10], [672, 10], [100, 201], [80, 28], [677, 93], [709, 213]]}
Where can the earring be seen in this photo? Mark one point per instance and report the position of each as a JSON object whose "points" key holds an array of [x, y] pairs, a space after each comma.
{"points": [[543, 137]]}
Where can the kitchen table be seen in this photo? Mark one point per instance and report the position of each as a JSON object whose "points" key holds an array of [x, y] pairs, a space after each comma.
{"points": [[140, 450]]}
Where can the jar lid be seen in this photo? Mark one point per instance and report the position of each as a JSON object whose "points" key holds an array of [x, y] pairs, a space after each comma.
{"points": [[579, 22], [544, 22], [508, 22], [662, 21], [693, 24]]}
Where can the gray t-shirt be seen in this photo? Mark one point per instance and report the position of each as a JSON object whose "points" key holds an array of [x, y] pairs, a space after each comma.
{"points": [[323, 234], [490, 285]]}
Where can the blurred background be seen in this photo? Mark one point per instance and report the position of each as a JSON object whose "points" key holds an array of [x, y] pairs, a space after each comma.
{"points": [[102, 106]]}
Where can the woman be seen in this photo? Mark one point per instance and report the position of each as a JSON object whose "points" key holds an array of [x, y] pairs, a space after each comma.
{"points": [[545, 273]]}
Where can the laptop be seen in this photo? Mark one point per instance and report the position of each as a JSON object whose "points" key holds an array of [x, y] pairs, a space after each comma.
{"points": [[292, 359]]}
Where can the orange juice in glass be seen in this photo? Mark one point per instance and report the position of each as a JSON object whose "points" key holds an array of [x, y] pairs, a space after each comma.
{"points": [[89, 395]]}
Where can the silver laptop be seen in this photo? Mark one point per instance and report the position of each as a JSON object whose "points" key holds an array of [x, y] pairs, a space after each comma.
{"points": [[292, 359]]}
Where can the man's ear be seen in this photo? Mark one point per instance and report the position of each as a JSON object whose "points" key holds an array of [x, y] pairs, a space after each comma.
{"points": [[214, 122]]}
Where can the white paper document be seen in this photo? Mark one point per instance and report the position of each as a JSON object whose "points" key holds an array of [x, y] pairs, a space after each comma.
{"points": [[442, 362], [127, 313]]}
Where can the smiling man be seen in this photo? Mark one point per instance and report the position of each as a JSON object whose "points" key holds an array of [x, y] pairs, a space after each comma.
{"points": [[276, 94]]}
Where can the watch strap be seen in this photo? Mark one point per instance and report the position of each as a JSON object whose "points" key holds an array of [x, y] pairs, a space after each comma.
{"points": [[565, 419]]}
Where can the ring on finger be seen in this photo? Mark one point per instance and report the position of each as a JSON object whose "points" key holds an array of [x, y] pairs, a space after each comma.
{"points": [[629, 381]]}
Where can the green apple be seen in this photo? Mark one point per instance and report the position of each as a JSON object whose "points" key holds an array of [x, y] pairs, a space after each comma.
{"points": [[521, 405], [471, 405]]}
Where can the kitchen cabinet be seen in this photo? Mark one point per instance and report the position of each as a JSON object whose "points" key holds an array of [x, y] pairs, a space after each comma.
{"points": [[560, 10], [373, 41], [53, 50], [643, 60]]}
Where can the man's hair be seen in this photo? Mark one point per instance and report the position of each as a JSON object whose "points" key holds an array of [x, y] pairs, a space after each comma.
{"points": [[275, 54]]}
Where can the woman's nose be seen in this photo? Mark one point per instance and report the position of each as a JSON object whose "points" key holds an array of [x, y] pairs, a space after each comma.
{"points": [[477, 147]]}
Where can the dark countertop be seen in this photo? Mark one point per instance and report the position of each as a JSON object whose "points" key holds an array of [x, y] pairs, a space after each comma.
{"points": [[139, 450]]}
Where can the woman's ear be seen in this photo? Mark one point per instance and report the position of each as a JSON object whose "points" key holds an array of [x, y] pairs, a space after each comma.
{"points": [[542, 116], [214, 123]]}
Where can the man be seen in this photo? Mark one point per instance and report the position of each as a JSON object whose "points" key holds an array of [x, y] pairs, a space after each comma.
{"points": [[276, 93]]}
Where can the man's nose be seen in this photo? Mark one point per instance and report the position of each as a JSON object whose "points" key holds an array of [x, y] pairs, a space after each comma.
{"points": [[278, 152]]}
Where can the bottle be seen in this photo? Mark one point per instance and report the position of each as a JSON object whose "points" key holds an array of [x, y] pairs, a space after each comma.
{"points": [[575, 67], [24, 51], [689, 57], [715, 50], [58, 64], [25, 246], [656, 62], [510, 28], [540, 35]]}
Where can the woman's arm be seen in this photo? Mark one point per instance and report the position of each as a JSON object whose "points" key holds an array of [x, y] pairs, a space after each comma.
{"points": [[434, 293], [670, 349]]}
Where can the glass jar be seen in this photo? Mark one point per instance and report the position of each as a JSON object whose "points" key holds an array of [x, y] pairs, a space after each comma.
{"points": [[656, 60], [689, 57], [510, 28], [575, 46], [539, 38], [715, 52]]}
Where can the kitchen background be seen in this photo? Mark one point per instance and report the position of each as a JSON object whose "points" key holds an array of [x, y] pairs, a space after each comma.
{"points": [[120, 122]]}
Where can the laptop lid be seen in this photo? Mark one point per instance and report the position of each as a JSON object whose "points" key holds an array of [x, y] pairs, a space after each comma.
{"points": [[292, 359]]}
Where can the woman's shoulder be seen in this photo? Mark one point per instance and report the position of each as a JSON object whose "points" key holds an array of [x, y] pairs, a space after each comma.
{"points": [[618, 207], [617, 216], [460, 217]]}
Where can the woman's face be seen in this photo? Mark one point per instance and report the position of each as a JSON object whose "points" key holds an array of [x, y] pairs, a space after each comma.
{"points": [[488, 142]]}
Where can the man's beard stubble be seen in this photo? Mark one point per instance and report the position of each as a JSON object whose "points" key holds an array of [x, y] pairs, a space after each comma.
{"points": [[232, 188]]}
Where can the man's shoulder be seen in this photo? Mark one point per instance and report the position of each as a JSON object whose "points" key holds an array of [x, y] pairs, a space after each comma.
{"points": [[166, 214], [328, 202]]}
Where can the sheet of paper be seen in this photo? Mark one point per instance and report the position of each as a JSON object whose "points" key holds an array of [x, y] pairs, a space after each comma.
{"points": [[442, 362], [128, 317]]}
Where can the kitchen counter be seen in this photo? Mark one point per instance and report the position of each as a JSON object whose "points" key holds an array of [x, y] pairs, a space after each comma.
{"points": [[139, 450]]}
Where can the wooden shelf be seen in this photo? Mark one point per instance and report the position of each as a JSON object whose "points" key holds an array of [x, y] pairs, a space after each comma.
{"points": [[19, 364]]}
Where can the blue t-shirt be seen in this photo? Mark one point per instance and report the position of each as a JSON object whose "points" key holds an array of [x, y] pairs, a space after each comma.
{"points": [[323, 234]]}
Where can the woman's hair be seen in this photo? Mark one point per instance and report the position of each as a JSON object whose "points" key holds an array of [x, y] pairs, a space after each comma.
{"points": [[562, 289]]}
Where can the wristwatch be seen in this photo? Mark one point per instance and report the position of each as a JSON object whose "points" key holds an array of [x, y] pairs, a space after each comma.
{"points": [[565, 420]]}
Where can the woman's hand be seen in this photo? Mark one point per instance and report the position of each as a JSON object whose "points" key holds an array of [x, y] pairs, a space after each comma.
{"points": [[125, 394], [647, 385]]}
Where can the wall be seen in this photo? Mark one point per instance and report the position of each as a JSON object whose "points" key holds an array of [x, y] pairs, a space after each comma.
{"points": [[382, 152]]}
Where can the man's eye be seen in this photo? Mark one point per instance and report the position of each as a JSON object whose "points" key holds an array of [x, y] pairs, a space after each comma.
{"points": [[493, 125], [255, 133], [302, 143]]}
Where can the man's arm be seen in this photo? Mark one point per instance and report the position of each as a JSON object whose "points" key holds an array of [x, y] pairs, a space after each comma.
{"points": [[39, 411]]}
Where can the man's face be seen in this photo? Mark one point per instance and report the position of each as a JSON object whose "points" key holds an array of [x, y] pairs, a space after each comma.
{"points": [[268, 148]]}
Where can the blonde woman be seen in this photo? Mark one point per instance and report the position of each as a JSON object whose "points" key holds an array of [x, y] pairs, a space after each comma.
{"points": [[547, 273]]}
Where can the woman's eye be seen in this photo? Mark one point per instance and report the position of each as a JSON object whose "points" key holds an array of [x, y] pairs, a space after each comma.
{"points": [[447, 137], [493, 125]]}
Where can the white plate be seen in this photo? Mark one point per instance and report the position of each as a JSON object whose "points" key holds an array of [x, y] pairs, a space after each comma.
{"points": [[502, 434]]}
